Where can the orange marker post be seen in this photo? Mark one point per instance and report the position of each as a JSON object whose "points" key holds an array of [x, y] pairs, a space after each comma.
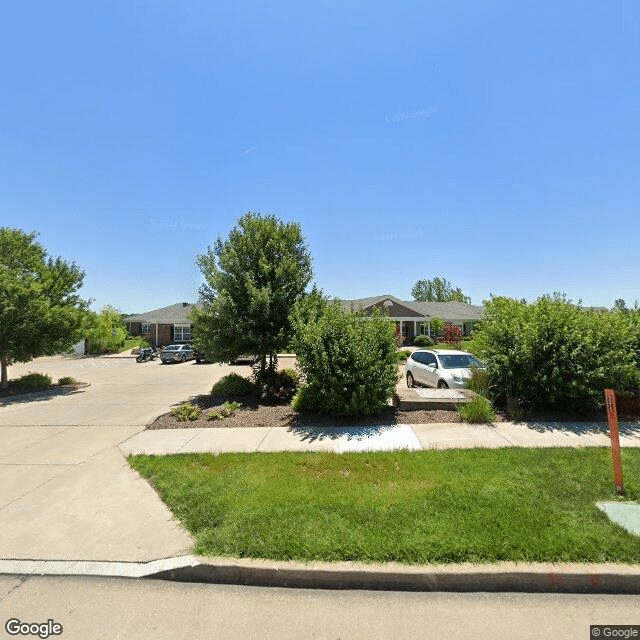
{"points": [[612, 415]]}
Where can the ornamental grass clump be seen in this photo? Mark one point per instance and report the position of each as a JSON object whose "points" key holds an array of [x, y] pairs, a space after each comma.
{"points": [[478, 409]]}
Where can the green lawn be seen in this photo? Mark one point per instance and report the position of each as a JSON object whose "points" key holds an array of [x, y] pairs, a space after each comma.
{"points": [[475, 505], [136, 342], [465, 345]]}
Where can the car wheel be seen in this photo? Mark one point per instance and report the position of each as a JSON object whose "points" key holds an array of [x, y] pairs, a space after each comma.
{"points": [[198, 361], [139, 359], [410, 381], [442, 385], [183, 358]]}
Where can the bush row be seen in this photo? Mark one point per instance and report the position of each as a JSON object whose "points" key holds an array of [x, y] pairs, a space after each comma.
{"points": [[555, 353]]}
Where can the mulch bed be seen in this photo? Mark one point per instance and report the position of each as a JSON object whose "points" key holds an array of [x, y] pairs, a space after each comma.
{"points": [[254, 414]]}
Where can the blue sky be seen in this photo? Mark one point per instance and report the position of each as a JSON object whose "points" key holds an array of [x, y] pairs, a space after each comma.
{"points": [[495, 144]]}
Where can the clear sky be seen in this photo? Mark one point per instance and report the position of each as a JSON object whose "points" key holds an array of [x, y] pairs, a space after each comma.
{"points": [[495, 143]]}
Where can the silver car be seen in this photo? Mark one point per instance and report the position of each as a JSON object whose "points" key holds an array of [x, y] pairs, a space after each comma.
{"points": [[176, 353], [441, 368]]}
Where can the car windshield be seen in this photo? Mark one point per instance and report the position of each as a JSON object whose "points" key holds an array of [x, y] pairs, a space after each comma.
{"points": [[459, 361], [173, 347]]}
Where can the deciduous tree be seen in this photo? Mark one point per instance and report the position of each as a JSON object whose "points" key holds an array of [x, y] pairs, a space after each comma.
{"points": [[437, 325], [253, 279], [107, 331], [437, 290], [40, 310]]}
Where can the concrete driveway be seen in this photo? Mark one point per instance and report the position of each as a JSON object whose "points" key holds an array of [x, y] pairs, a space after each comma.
{"points": [[66, 490]]}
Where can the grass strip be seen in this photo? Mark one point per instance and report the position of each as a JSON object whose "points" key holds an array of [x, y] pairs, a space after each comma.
{"points": [[476, 505]]}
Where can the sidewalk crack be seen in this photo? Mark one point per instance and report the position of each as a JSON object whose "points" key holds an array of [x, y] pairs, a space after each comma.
{"points": [[21, 579], [263, 439]]}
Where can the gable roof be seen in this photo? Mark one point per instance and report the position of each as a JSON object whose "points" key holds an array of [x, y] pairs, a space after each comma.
{"points": [[175, 313], [451, 310], [447, 311], [363, 303]]}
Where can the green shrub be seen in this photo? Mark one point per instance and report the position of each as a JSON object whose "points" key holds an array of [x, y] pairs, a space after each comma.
{"points": [[186, 412], [307, 399], [133, 342], [233, 385], [66, 380], [478, 409], [437, 325], [278, 387], [422, 341], [554, 353], [34, 380], [349, 361], [226, 411], [401, 356]]}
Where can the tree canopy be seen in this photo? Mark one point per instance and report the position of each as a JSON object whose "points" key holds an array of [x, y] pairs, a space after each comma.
{"points": [[438, 290], [620, 305], [106, 331], [253, 279], [40, 311]]}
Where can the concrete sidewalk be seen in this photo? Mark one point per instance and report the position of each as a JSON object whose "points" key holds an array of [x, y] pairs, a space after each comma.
{"points": [[413, 437]]}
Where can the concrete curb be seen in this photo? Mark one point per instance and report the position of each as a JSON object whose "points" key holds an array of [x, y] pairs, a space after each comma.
{"points": [[94, 568], [503, 577]]}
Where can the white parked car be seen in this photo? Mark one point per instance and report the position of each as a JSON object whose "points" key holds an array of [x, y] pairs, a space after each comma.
{"points": [[441, 368]]}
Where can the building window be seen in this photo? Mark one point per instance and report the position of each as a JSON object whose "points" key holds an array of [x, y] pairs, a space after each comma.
{"points": [[181, 332], [404, 329], [146, 328]]}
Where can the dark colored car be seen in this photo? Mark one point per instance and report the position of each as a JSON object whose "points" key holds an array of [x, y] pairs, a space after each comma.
{"points": [[176, 353], [200, 356]]}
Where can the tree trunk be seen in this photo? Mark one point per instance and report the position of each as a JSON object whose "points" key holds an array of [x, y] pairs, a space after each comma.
{"points": [[263, 362], [4, 381]]}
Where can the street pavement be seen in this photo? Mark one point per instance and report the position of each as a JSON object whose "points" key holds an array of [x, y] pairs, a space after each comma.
{"points": [[112, 609]]}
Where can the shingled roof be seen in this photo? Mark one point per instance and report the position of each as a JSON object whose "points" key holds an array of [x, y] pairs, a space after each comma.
{"points": [[447, 311], [173, 314], [450, 310], [363, 303]]}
